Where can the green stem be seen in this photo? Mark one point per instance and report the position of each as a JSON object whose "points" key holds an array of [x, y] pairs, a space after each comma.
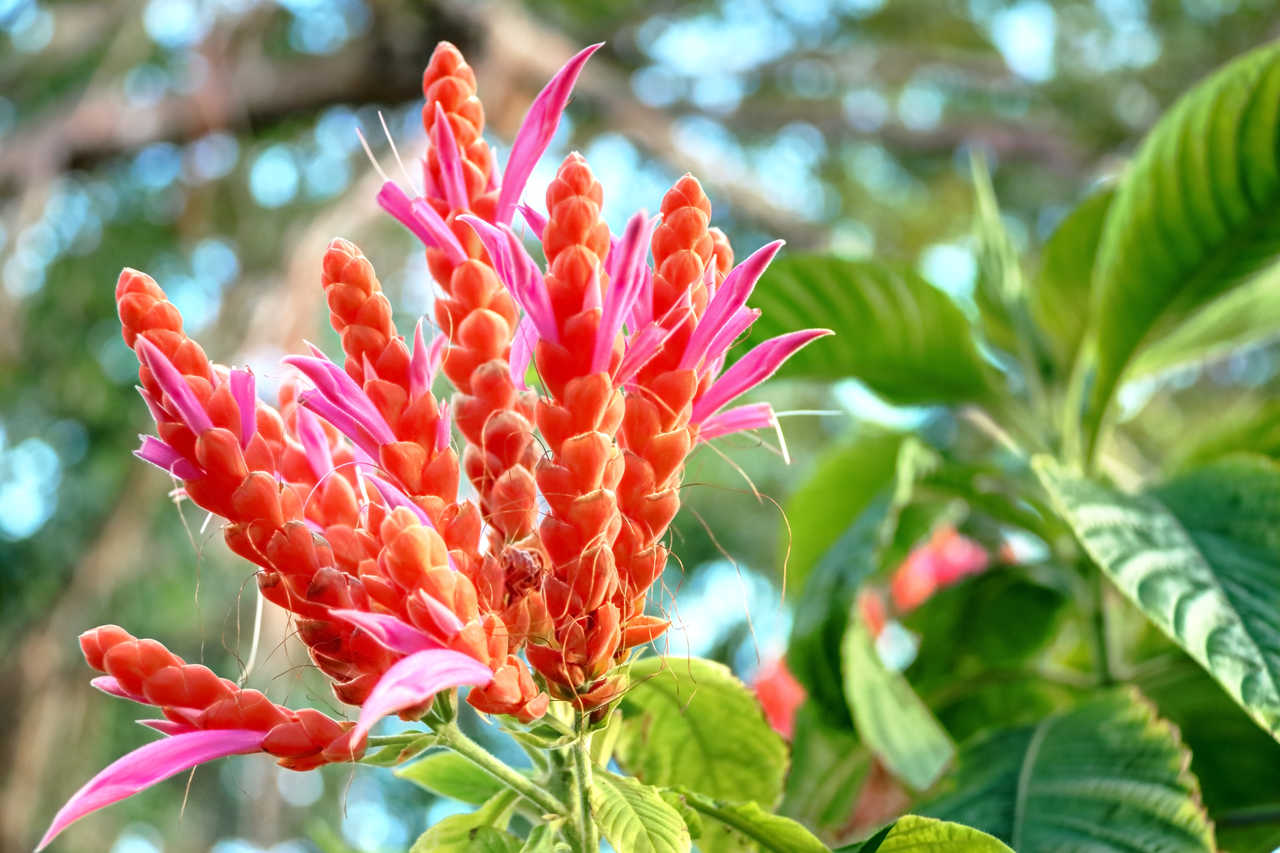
{"points": [[1101, 630], [453, 737], [582, 780]]}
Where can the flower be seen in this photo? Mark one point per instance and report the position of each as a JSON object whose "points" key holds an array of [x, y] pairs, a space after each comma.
{"points": [[780, 695], [946, 559], [345, 494]]}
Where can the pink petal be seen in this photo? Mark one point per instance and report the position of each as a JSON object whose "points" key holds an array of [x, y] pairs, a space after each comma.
{"points": [[518, 272], [625, 288], [157, 411], [244, 390], [522, 351], [168, 727], [422, 220], [750, 416], [536, 130], [752, 369], [413, 680], [341, 390], [396, 499], [425, 361], [729, 332], [315, 444], [642, 307], [446, 148], [175, 387], [342, 421], [443, 233], [729, 297], [443, 620], [163, 456], [641, 347], [112, 687], [148, 765], [537, 222], [443, 427], [392, 632]]}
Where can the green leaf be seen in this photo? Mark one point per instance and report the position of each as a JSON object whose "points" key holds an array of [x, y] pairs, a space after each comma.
{"points": [[845, 479], [1200, 556], [1061, 295], [762, 831], [997, 619], [1104, 776], [897, 333], [1000, 287], [634, 818], [890, 717], [915, 834], [1249, 425], [822, 613], [450, 775], [482, 831], [544, 838], [980, 640], [1196, 213], [688, 723], [1246, 316], [1234, 760], [828, 767]]}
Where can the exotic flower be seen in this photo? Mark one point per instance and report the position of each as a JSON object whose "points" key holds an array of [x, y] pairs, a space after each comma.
{"points": [[345, 495]]}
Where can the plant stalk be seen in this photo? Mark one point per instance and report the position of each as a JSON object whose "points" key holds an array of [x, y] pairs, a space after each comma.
{"points": [[453, 737], [1101, 630], [588, 832]]}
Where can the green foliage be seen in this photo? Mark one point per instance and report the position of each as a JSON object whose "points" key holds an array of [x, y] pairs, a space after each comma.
{"points": [[450, 775], [482, 831], [895, 332], [1106, 775], [822, 613], [889, 716], [845, 479], [689, 723], [634, 817], [759, 829], [1061, 294], [1247, 315], [828, 767], [1194, 215], [982, 643], [1232, 758], [1200, 556], [916, 834]]}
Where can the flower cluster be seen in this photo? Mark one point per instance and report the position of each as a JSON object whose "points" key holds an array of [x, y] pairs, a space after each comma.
{"points": [[345, 496]]}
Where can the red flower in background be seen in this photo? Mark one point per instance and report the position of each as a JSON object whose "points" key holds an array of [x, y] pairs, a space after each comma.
{"points": [[780, 695], [945, 559]]}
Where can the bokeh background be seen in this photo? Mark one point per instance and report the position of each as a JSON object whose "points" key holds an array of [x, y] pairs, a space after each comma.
{"points": [[213, 144]]}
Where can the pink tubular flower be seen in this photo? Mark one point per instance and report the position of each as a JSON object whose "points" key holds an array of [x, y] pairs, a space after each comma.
{"points": [[148, 765]]}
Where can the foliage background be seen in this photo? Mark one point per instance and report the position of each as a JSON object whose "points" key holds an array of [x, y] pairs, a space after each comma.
{"points": [[212, 143]]}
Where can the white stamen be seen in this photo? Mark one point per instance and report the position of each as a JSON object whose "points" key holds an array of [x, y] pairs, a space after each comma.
{"points": [[257, 635], [395, 151], [782, 439], [374, 160]]}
